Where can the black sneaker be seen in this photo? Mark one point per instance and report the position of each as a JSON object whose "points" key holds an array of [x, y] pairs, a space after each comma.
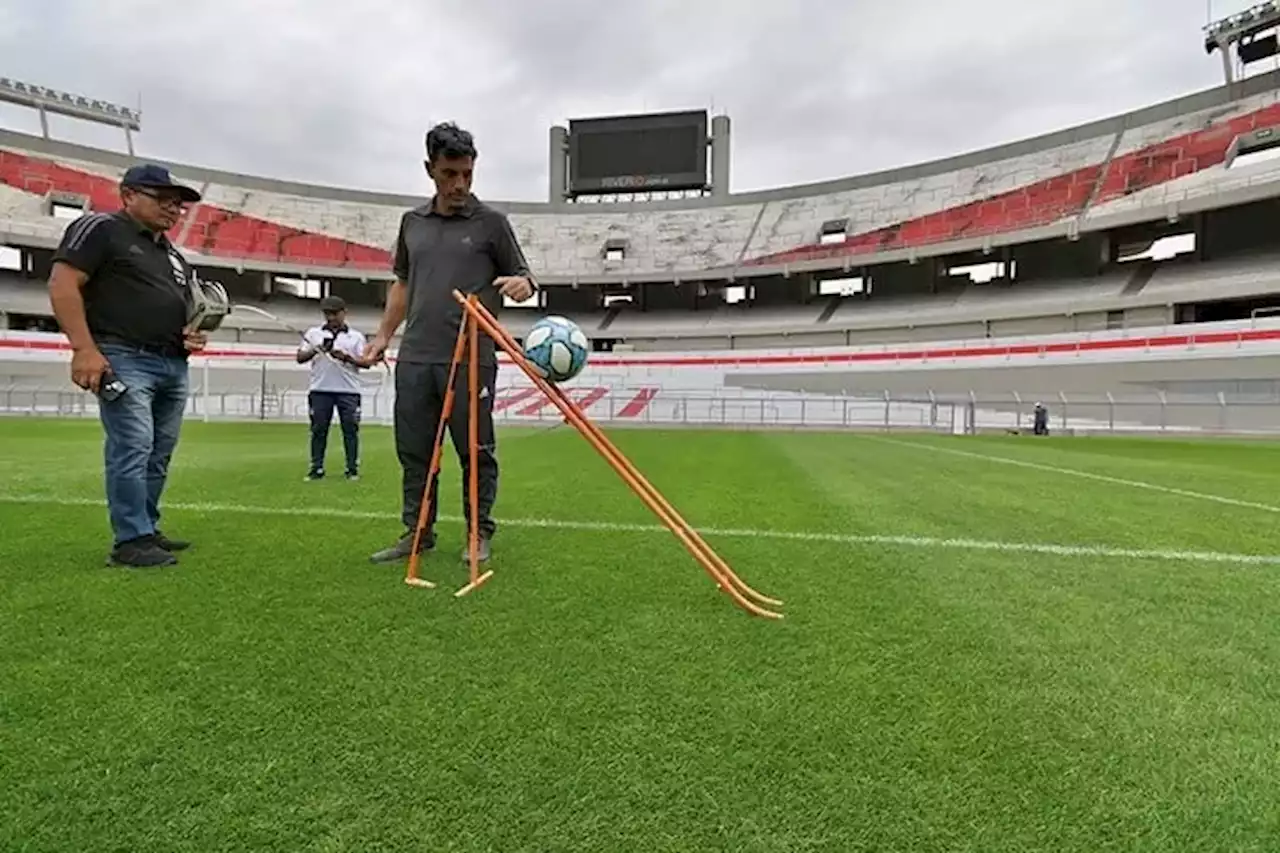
{"points": [[482, 551], [314, 474], [141, 553], [171, 545], [403, 548], [352, 475]]}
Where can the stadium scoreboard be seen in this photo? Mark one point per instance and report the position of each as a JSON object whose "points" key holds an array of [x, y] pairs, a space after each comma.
{"points": [[658, 152]]}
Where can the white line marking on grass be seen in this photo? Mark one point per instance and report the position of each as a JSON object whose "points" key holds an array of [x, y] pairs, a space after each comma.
{"points": [[1099, 551], [1088, 475]]}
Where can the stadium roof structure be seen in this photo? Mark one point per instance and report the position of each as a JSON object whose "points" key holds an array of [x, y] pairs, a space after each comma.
{"points": [[45, 101], [1164, 161], [1250, 32]]}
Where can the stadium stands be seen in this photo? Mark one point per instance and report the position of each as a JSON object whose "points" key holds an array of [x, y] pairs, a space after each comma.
{"points": [[1143, 160], [17, 204], [1019, 193], [1062, 202], [1145, 295]]}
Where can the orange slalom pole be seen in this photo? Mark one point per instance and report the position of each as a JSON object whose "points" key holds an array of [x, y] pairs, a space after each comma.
{"points": [[473, 455], [512, 349], [411, 576], [687, 536]]}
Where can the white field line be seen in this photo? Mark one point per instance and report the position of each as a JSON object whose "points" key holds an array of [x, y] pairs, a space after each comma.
{"points": [[1088, 475], [925, 542]]}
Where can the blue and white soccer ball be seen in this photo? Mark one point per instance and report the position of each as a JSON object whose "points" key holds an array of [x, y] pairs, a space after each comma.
{"points": [[557, 348]]}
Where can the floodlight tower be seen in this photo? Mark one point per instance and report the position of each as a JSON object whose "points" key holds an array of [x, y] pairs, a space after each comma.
{"points": [[1251, 33], [46, 100]]}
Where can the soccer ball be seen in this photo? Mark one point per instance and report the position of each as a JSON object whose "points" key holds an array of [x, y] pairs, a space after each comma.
{"points": [[557, 348]]}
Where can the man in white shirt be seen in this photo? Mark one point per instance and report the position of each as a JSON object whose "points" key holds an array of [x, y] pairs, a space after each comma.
{"points": [[333, 350]]}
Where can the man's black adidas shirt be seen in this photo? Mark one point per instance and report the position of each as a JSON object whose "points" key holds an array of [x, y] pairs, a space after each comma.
{"points": [[137, 293]]}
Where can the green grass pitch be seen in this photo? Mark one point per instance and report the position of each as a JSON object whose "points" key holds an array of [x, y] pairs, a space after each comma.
{"points": [[991, 644]]}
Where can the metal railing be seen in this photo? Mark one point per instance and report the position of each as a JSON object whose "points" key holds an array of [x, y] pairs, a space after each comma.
{"points": [[1254, 411]]}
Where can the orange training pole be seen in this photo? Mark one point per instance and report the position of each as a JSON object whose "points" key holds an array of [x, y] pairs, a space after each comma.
{"points": [[617, 457], [473, 451], [411, 576], [710, 561]]}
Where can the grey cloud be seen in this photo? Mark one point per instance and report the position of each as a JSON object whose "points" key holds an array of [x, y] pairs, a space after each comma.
{"points": [[341, 93]]}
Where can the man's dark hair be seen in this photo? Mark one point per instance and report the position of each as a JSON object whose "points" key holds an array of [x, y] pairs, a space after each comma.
{"points": [[449, 140]]}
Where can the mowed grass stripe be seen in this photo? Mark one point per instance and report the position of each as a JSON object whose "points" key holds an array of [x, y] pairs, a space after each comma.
{"points": [[1088, 475], [906, 488], [1050, 549], [1242, 469]]}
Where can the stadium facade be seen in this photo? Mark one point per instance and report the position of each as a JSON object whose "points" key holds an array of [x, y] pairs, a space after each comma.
{"points": [[841, 293]]}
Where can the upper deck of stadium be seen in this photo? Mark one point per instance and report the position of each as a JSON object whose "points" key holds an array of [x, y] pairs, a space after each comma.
{"points": [[1166, 160]]}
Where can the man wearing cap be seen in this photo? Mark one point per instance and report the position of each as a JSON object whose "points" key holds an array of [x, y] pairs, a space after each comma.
{"points": [[120, 291], [334, 350]]}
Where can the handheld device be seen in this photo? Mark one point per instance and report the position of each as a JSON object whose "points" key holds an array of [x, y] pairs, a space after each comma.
{"points": [[111, 388], [209, 305]]}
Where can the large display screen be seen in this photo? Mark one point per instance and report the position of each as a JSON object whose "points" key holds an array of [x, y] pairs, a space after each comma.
{"points": [[632, 154]]}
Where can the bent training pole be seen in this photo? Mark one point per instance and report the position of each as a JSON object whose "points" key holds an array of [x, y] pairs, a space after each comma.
{"points": [[618, 459], [411, 575], [719, 571], [473, 456], [654, 500]]}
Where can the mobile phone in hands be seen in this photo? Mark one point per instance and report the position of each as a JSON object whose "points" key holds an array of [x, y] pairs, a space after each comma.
{"points": [[111, 388]]}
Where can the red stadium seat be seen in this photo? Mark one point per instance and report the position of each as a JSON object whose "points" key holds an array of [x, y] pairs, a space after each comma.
{"points": [[212, 231], [1047, 201], [1181, 156]]}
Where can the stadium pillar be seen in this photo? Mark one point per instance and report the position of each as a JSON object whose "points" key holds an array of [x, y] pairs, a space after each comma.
{"points": [[719, 156], [558, 155]]}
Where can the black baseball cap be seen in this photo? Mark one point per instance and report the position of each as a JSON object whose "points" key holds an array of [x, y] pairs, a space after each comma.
{"points": [[157, 177], [332, 303]]}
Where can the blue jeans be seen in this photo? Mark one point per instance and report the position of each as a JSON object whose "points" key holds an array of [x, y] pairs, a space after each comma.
{"points": [[142, 428], [322, 405]]}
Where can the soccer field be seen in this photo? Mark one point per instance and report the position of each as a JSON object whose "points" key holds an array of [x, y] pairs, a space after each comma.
{"points": [[990, 644]]}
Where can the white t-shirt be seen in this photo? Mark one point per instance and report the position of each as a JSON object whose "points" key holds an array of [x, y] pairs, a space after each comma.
{"points": [[328, 374]]}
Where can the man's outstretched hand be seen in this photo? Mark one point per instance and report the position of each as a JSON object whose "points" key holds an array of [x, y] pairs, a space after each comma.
{"points": [[515, 287], [375, 352]]}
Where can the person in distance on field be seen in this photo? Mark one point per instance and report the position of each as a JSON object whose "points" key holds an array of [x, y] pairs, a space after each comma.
{"points": [[121, 294], [334, 350], [455, 241], [1040, 419]]}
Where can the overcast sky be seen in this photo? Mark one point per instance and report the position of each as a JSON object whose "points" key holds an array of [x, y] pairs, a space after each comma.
{"points": [[342, 92]]}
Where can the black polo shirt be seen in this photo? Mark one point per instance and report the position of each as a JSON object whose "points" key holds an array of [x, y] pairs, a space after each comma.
{"points": [[137, 292], [437, 254]]}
